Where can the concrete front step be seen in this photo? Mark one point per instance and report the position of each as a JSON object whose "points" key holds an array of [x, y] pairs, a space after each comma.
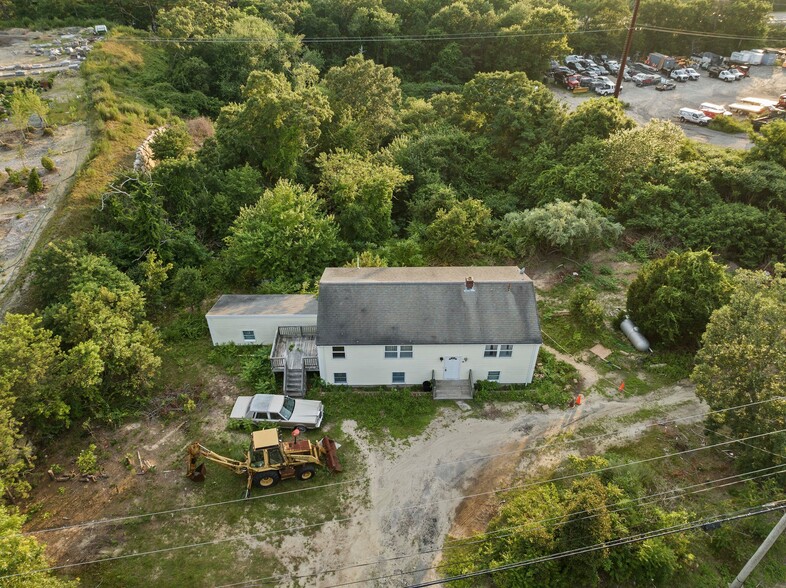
{"points": [[452, 390]]}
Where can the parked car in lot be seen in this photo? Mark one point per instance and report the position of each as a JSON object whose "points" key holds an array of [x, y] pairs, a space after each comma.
{"points": [[571, 58], [679, 75], [646, 79], [666, 85], [694, 116], [727, 76], [613, 66], [605, 89], [692, 74], [576, 66], [285, 411], [738, 74], [714, 110]]}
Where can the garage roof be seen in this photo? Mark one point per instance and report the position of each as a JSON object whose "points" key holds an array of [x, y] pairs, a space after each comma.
{"points": [[266, 304]]}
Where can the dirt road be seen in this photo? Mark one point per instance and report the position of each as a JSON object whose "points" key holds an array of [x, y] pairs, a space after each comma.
{"points": [[443, 482]]}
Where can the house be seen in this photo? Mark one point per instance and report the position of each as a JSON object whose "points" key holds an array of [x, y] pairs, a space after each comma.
{"points": [[445, 327]]}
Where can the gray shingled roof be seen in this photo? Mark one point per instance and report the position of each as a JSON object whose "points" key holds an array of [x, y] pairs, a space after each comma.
{"points": [[379, 311]]}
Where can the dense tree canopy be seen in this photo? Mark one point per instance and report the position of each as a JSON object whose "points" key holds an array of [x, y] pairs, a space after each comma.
{"points": [[741, 363]]}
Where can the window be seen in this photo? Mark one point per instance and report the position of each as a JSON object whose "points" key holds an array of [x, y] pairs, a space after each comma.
{"points": [[339, 352], [498, 351], [249, 336], [493, 377], [399, 377], [340, 378], [398, 351]]}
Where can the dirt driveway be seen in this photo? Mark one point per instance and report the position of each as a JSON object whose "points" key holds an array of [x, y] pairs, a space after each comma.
{"points": [[647, 103], [444, 482]]}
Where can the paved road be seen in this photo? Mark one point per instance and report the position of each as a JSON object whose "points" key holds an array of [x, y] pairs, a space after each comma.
{"points": [[647, 103]]}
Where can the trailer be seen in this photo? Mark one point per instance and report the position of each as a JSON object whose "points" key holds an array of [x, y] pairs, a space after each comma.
{"points": [[662, 62]]}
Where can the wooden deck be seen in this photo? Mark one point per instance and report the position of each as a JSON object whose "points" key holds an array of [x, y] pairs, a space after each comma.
{"points": [[295, 347]]}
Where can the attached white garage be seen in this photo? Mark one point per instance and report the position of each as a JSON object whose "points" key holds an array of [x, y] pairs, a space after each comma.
{"points": [[254, 319]]}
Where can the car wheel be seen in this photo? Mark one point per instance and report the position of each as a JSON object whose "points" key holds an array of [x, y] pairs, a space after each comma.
{"points": [[266, 479], [305, 472], [682, 119]]}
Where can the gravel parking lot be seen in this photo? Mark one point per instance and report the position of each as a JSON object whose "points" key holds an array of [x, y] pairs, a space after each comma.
{"points": [[647, 103]]}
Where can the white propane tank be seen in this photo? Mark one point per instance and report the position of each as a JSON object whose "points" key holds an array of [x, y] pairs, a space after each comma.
{"points": [[631, 331]]}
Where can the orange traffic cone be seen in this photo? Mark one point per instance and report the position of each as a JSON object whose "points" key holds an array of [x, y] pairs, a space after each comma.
{"points": [[622, 386], [579, 399]]}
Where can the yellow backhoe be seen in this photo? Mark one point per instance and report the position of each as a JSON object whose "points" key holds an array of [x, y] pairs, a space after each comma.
{"points": [[269, 459]]}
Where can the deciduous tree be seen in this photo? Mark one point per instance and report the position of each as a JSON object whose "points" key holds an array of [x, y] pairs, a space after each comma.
{"points": [[741, 363], [284, 236], [359, 193], [672, 298]]}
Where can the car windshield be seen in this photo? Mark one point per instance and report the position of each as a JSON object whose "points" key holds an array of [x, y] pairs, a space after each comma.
{"points": [[288, 408]]}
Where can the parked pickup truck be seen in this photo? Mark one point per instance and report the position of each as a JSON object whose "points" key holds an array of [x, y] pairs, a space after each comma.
{"points": [[285, 411]]}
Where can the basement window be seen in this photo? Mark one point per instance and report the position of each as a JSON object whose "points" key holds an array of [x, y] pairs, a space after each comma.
{"points": [[340, 378], [399, 377], [493, 376], [249, 336]]}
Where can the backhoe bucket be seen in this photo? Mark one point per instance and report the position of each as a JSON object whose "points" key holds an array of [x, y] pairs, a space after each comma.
{"points": [[331, 458], [199, 473]]}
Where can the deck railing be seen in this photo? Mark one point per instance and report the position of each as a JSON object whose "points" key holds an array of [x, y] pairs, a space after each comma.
{"points": [[298, 331], [311, 363]]}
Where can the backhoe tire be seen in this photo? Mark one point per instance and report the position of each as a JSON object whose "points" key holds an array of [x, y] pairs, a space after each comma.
{"points": [[305, 472], [266, 479]]}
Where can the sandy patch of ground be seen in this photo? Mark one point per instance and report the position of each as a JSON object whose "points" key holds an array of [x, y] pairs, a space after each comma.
{"points": [[444, 482]]}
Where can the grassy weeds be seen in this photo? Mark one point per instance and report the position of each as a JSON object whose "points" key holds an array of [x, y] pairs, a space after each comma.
{"points": [[247, 533], [554, 384]]}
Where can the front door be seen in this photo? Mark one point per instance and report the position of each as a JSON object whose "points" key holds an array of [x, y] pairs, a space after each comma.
{"points": [[452, 368]]}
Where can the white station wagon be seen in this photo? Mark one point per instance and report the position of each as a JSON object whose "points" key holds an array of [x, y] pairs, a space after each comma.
{"points": [[284, 411]]}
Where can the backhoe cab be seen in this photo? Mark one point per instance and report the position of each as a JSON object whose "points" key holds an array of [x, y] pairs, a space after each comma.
{"points": [[269, 459]]}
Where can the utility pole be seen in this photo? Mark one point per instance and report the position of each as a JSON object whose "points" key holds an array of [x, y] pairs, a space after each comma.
{"points": [[628, 42], [760, 553]]}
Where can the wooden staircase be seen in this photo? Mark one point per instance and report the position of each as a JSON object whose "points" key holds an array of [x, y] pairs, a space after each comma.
{"points": [[295, 381]]}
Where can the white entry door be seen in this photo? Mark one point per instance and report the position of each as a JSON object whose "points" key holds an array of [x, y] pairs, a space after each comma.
{"points": [[452, 368]]}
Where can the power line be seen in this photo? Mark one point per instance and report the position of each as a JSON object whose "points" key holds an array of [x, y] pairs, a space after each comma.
{"points": [[464, 36], [492, 535], [761, 509], [309, 488], [410, 507]]}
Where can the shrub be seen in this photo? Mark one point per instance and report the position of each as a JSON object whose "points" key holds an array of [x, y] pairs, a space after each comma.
{"points": [[34, 183], [571, 227], [729, 124], [672, 298], [87, 462], [585, 309], [48, 163]]}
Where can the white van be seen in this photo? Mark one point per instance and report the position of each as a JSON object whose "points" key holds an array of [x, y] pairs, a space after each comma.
{"points": [[694, 116]]}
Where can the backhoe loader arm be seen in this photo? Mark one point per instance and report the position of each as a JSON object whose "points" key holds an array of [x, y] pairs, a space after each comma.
{"points": [[196, 450]]}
